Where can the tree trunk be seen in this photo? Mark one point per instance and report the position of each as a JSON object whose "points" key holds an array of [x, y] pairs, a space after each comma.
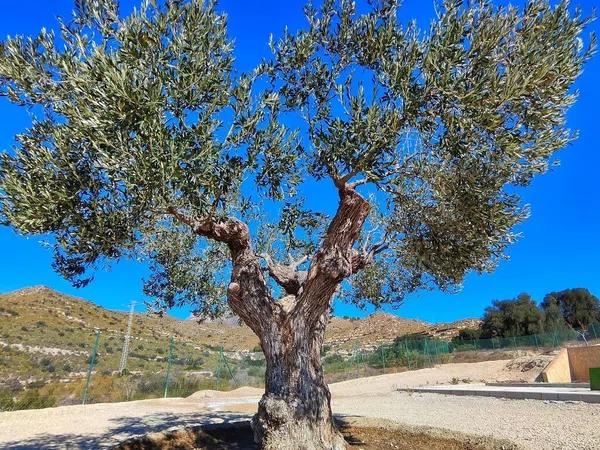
{"points": [[295, 411]]}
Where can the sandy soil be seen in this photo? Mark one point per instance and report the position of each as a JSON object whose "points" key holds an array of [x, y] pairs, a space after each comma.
{"points": [[489, 371], [532, 424]]}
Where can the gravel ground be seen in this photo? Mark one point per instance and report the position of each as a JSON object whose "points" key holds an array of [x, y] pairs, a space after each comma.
{"points": [[533, 424], [100, 425], [489, 371]]}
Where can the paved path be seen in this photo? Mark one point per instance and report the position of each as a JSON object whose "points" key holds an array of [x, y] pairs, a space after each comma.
{"points": [[101, 425], [575, 394]]}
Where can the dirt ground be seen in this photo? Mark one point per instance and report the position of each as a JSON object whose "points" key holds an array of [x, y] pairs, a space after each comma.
{"points": [[360, 434], [531, 424]]}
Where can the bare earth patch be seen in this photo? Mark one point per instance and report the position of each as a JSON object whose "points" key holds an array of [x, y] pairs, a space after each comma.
{"points": [[360, 434]]}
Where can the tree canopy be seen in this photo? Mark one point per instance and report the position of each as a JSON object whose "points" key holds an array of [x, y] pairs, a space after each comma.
{"points": [[578, 307], [147, 143], [508, 318]]}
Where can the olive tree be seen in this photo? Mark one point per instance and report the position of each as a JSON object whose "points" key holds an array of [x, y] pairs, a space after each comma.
{"points": [[576, 307], [146, 143]]}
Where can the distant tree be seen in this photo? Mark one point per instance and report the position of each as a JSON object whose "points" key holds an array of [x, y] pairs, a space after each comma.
{"points": [[578, 307], [553, 317], [468, 334], [146, 143], [518, 317]]}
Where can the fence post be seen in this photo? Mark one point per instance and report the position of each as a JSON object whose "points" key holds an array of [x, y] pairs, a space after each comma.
{"points": [[218, 375], [169, 364], [407, 355], [437, 352], [91, 367], [427, 351], [357, 355], [537, 345], [224, 360]]}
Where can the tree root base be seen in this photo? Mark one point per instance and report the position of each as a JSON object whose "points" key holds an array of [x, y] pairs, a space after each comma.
{"points": [[278, 427]]}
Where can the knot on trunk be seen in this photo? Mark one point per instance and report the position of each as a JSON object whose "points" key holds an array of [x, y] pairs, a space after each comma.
{"points": [[280, 411], [336, 264], [287, 303], [233, 290]]}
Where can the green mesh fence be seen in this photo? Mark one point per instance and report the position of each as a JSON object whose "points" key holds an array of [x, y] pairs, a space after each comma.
{"points": [[556, 338], [87, 369]]}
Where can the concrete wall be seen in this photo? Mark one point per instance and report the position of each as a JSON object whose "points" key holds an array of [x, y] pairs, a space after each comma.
{"points": [[559, 370], [581, 359]]}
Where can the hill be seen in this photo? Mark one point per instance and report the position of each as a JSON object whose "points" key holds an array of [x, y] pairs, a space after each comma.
{"points": [[46, 335], [39, 316]]}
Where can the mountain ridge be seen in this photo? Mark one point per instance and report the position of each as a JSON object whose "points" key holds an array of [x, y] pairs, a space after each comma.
{"points": [[63, 310]]}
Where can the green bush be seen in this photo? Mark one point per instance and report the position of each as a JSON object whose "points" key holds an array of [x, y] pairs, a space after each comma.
{"points": [[257, 372], [249, 362], [6, 400], [32, 399], [47, 365], [467, 334], [507, 318]]}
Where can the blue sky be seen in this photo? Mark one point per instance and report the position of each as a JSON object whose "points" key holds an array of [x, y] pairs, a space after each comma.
{"points": [[559, 249]]}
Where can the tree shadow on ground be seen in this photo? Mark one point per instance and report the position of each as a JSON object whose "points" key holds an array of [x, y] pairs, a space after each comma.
{"points": [[123, 428], [344, 424]]}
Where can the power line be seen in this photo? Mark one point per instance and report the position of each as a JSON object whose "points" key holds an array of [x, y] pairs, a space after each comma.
{"points": [[125, 351]]}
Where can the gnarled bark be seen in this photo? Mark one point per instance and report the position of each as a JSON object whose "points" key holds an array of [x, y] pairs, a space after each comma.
{"points": [[286, 275], [334, 260], [247, 293], [295, 411]]}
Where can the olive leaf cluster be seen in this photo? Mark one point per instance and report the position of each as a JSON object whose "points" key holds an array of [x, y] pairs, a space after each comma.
{"points": [[133, 115], [137, 115], [443, 124], [183, 273]]}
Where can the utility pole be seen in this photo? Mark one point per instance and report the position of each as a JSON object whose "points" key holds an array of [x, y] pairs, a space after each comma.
{"points": [[125, 351]]}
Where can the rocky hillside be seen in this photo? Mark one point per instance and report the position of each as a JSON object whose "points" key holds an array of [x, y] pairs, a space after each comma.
{"points": [[46, 339], [375, 329], [42, 318]]}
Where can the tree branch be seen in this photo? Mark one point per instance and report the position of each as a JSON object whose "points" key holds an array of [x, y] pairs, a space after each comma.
{"points": [[286, 276], [362, 259], [247, 293], [333, 261], [231, 231]]}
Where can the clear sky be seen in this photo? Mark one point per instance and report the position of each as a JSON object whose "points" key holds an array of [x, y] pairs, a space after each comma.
{"points": [[559, 248]]}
